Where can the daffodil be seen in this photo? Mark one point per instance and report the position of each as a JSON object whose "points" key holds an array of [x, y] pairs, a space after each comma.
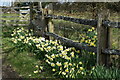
{"points": [[53, 56], [53, 69], [38, 45], [19, 39], [60, 54], [42, 38], [58, 64], [92, 44], [95, 36], [36, 66], [63, 73], [60, 68], [35, 72], [70, 64], [60, 47], [68, 49], [57, 55], [93, 28], [78, 51], [51, 59], [93, 53], [48, 47], [47, 61], [65, 63], [15, 41], [22, 37], [41, 48], [65, 66], [41, 67], [86, 41], [72, 54], [81, 68], [29, 75], [64, 52], [52, 64], [80, 62], [66, 70], [89, 29], [66, 57], [12, 34], [46, 55]]}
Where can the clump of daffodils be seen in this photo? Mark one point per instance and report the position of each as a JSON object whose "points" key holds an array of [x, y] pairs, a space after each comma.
{"points": [[66, 63], [63, 61], [90, 38]]}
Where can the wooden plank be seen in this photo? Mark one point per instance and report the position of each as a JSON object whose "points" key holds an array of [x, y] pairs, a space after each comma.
{"points": [[50, 22], [15, 20], [111, 24], [90, 22], [15, 25], [10, 16], [103, 41], [31, 17], [108, 37], [111, 52], [100, 56]]}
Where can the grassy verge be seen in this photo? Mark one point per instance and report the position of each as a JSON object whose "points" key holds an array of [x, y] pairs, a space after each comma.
{"points": [[24, 63]]}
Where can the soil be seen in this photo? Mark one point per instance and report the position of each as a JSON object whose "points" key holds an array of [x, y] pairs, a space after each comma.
{"points": [[8, 72]]}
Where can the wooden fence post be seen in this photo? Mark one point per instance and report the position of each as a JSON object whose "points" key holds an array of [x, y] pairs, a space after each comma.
{"points": [[40, 22], [43, 22], [31, 17], [50, 22], [103, 41], [109, 38]]}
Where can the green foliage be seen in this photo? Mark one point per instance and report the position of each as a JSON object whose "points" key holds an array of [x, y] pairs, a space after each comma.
{"points": [[7, 31], [103, 72]]}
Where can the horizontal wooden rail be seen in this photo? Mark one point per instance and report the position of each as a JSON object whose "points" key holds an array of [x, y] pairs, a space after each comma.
{"points": [[10, 16], [111, 51], [14, 7], [111, 24], [15, 25], [15, 20], [75, 20], [80, 46], [90, 22]]}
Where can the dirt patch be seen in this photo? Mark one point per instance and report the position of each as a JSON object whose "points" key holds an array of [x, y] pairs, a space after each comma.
{"points": [[8, 72]]}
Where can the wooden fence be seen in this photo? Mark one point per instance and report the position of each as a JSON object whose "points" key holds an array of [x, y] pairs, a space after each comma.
{"points": [[43, 21], [11, 17]]}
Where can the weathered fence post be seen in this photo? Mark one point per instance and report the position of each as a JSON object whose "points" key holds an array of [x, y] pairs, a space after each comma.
{"points": [[109, 37], [50, 22], [103, 41], [31, 16], [40, 22], [43, 22]]}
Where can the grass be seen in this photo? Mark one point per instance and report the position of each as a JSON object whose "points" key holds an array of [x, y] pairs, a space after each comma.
{"points": [[114, 16], [24, 62]]}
